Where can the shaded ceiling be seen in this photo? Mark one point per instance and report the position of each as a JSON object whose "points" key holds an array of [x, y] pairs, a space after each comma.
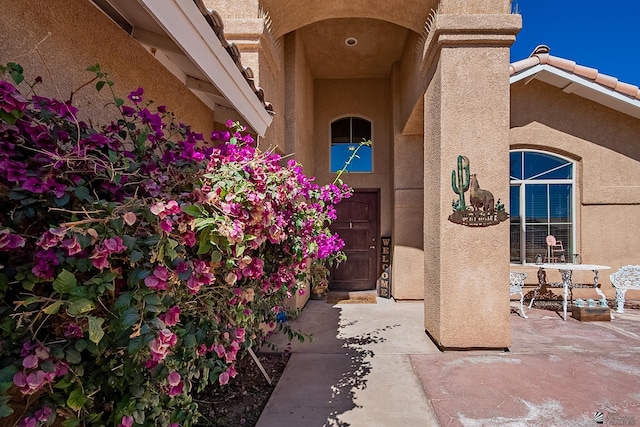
{"points": [[378, 45], [289, 15]]}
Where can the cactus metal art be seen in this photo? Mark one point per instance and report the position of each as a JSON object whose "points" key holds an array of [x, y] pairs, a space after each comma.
{"points": [[460, 182], [483, 211]]}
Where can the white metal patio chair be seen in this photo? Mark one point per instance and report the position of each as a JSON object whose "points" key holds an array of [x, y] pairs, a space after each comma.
{"points": [[516, 283]]}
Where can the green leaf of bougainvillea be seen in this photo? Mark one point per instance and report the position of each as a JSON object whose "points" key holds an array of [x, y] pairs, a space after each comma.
{"points": [[129, 318], [5, 410], [65, 282], [81, 305], [216, 256], [72, 356], [53, 308], [62, 200], [135, 256], [193, 210], [82, 193], [76, 399], [7, 373], [95, 329], [72, 422]]}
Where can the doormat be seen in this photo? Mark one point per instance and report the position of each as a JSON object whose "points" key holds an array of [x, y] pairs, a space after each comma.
{"points": [[351, 298]]}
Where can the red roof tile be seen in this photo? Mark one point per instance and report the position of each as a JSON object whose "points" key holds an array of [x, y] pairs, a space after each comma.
{"points": [[540, 56], [217, 25]]}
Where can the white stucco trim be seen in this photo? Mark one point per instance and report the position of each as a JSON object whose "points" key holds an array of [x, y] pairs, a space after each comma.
{"points": [[580, 86], [184, 23]]}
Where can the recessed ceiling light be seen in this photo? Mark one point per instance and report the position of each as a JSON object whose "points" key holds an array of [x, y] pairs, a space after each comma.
{"points": [[351, 41]]}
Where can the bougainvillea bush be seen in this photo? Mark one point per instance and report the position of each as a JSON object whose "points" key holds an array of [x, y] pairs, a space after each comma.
{"points": [[139, 262]]}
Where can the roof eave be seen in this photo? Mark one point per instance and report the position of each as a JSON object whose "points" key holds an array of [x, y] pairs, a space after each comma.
{"points": [[183, 23], [571, 83]]}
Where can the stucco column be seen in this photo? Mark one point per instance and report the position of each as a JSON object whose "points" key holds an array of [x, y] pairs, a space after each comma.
{"points": [[466, 112]]}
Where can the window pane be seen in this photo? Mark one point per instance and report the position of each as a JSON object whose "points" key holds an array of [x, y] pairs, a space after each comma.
{"points": [[536, 203], [515, 240], [346, 134], [562, 233], [340, 153], [514, 201], [559, 203], [515, 164], [536, 238], [564, 172], [341, 131], [361, 130], [537, 163]]}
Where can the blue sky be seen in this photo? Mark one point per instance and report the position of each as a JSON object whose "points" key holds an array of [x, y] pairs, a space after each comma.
{"points": [[604, 35]]}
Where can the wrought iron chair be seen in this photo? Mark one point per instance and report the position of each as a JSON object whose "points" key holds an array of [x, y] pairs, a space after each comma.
{"points": [[516, 283], [555, 250]]}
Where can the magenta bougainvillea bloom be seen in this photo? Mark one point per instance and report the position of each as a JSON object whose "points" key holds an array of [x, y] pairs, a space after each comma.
{"points": [[151, 256], [172, 316]]}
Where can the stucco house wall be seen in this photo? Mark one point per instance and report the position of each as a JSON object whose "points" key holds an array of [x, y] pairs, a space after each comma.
{"points": [[59, 40], [603, 144]]}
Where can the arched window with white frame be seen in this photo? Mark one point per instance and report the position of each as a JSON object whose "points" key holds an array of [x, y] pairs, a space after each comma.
{"points": [[346, 134], [542, 203]]}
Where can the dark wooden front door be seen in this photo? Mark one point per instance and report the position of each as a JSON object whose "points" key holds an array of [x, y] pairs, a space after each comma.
{"points": [[357, 224]]}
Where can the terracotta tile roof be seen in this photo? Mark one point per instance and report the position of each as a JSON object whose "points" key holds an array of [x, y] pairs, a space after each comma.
{"points": [[215, 22], [540, 56]]}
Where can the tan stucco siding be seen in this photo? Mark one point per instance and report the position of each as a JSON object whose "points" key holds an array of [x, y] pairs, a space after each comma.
{"points": [[72, 35], [299, 95]]}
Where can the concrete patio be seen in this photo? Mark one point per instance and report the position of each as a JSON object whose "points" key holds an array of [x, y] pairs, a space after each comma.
{"points": [[373, 365]]}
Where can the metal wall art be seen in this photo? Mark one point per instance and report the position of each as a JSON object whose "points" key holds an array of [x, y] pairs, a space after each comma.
{"points": [[483, 210]]}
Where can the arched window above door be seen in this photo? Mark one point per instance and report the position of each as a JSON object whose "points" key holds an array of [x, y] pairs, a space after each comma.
{"points": [[346, 134]]}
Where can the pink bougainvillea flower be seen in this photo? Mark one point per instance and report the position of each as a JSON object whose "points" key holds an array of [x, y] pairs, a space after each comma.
{"points": [[172, 316], [44, 264], [29, 422], [160, 346], [43, 413], [223, 378], [189, 238], [99, 259], [31, 361], [31, 383], [72, 245], [127, 421], [158, 279], [166, 225], [9, 241], [74, 331], [51, 238], [136, 95], [114, 245], [130, 218], [128, 111], [175, 384], [35, 185]]}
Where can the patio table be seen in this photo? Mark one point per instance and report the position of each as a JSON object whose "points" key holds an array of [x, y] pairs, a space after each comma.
{"points": [[566, 271]]}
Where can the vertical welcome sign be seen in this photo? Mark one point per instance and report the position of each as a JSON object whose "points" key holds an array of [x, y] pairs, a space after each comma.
{"points": [[385, 278]]}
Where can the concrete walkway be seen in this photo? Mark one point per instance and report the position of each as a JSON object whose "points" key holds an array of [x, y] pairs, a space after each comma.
{"points": [[356, 371], [373, 365]]}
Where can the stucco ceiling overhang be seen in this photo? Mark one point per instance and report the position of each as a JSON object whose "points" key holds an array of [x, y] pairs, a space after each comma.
{"points": [[289, 15], [379, 45], [185, 43], [571, 83]]}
